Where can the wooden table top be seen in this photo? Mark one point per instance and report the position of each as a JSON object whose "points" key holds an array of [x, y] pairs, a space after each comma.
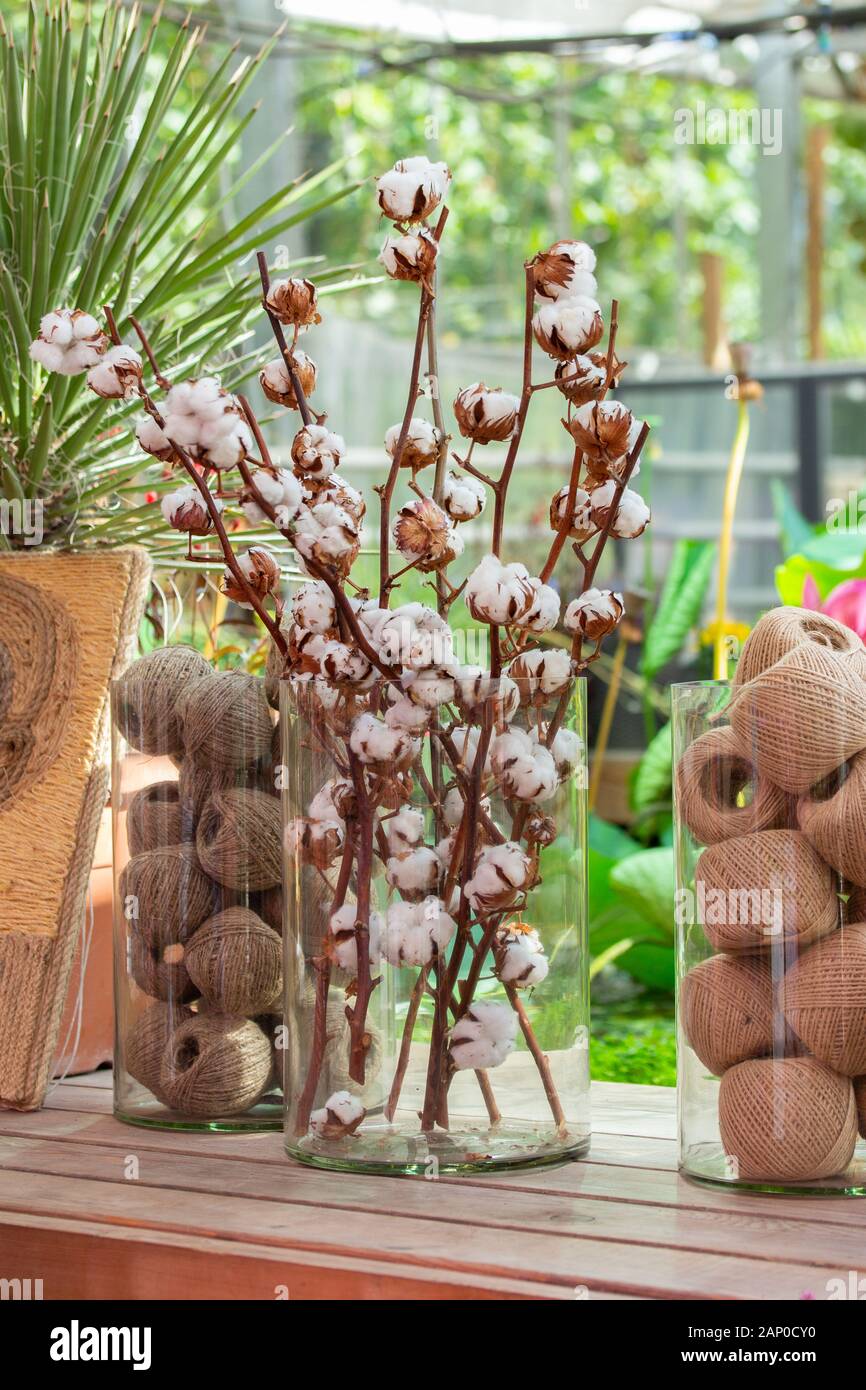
{"points": [[97, 1209]]}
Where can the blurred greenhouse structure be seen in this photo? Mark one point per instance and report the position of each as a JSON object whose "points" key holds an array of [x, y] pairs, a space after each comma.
{"points": [[715, 156]]}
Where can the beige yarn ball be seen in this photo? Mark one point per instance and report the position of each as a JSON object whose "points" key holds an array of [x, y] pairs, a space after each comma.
{"points": [[803, 717], [160, 969], [146, 698], [712, 780], [832, 816], [165, 893], [226, 720], [855, 910], [782, 629], [239, 839], [787, 1119], [197, 783], [726, 1005], [216, 1065], [154, 819], [236, 961], [146, 1043], [823, 996], [756, 890]]}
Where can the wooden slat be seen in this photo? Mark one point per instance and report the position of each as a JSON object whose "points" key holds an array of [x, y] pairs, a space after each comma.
{"points": [[212, 1215]]}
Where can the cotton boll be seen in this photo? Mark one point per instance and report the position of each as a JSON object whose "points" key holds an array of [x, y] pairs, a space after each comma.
{"points": [[335, 800], [425, 535], [463, 497], [498, 1021], [466, 740], [404, 832], [498, 593], [564, 269], [595, 613], [261, 570], [408, 717], [313, 607], [477, 688], [316, 842], [343, 941], [153, 440], [410, 257], [476, 1054], [420, 447], [413, 189], [583, 526], [316, 451], [276, 382], [543, 615], [184, 509], [567, 750], [632, 514], [520, 958], [339, 1117], [501, 872], [329, 536], [569, 326], [415, 874], [429, 688], [345, 666], [541, 673], [485, 413], [69, 341], [413, 932], [117, 375], [415, 637], [606, 432], [381, 747]]}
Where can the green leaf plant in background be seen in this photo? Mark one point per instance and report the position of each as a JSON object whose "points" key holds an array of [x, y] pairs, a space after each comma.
{"points": [[824, 564], [119, 171]]}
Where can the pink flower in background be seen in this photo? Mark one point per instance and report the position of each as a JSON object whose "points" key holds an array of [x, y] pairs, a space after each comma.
{"points": [[846, 603]]}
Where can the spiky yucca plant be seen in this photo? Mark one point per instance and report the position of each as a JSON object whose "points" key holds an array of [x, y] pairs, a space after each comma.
{"points": [[110, 192]]}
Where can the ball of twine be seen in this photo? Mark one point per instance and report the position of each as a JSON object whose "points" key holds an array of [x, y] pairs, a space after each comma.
{"points": [[197, 783], [335, 1067], [160, 970], [832, 815], [720, 794], [146, 698], [236, 961], [215, 1065], [269, 906], [154, 819], [226, 720], [803, 717], [823, 996], [146, 1044], [166, 894], [726, 1004], [783, 629], [756, 890], [239, 839], [787, 1119]]}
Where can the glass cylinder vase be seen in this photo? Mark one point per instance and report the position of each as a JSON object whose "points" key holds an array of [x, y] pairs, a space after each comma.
{"points": [[198, 890], [771, 974], [437, 1001]]}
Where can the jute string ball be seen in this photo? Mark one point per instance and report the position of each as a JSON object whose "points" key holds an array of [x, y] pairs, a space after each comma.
{"points": [[860, 1099], [146, 698], [756, 890], [269, 906], [726, 1004], [239, 839], [803, 717], [226, 720], [783, 629], [146, 1043], [823, 995], [832, 815], [720, 794], [215, 1065], [154, 819], [787, 1119], [197, 783], [160, 970], [236, 961], [166, 894]]}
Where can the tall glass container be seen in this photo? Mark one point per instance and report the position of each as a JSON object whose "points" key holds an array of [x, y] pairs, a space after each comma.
{"points": [[198, 894], [771, 924], [437, 1002]]}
